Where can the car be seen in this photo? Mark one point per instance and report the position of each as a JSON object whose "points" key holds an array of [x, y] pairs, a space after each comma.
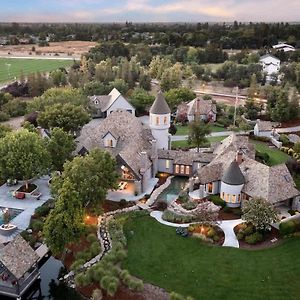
{"points": [[122, 185]]}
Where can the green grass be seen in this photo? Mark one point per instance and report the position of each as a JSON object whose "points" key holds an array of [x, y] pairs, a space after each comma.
{"points": [[187, 266], [276, 156], [17, 65], [184, 144], [184, 130]]}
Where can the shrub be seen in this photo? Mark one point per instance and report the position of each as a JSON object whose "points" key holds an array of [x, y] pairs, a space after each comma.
{"points": [[254, 238], [248, 230], [161, 205], [189, 205], [211, 232], [287, 227], [37, 225], [262, 156], [216, 238], [82, 280], [217, 201], [123, 203], [42, 211], [77, 264], [92, 238], [3, 116], [95, 248], [291, 152], [284, 139], [15, 108], [240, 236]]}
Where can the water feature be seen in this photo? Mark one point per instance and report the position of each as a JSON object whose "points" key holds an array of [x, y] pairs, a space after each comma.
{"points": [[12, 213], [172, 191]]}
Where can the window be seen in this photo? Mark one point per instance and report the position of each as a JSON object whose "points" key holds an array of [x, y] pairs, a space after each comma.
{"points": [[222, 195], [177, 169], [165, 120], [187, 170], [182, 169], [167, 164], [209, 187], [198, 165], [157, 120], [227, 197], [239, 198], [233, 198]]}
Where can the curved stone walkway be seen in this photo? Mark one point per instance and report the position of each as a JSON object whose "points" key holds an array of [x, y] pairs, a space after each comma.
{"points": [[227, 227]]}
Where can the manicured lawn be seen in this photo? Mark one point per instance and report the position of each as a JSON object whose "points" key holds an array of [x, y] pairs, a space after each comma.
{"points": [[276, 156], [17, 65], [184, 130], [184, 144], [185, 265]]}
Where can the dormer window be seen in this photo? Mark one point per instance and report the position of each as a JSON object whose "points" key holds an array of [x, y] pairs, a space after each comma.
{"points": [[109, 143], [109, 140]]}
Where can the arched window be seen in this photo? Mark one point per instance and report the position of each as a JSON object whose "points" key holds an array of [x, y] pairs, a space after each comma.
{"points": [[157, 120], [165, 120]]}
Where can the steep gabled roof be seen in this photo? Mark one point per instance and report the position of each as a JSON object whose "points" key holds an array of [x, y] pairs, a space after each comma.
{"points": [[160, 105], [203, 107], [18, 257], [233, 175]]}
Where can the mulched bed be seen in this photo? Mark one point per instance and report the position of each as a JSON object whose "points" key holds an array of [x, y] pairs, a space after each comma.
{"points": [[112, 205], [228, 215], [291, 123], [150, 292], [274, 233], [31, 187]]}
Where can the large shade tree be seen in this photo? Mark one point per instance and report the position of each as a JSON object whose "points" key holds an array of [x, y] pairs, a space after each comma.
{"points": [[23, 155], [64, 224], [66, 116], [92, 175], [60, 147], [260, 213], [197, 133]]}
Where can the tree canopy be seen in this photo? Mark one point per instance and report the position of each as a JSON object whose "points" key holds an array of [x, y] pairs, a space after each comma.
{"points": [[260, 213], [66, 116], [197, 133], [23, 155], [92, 175]]}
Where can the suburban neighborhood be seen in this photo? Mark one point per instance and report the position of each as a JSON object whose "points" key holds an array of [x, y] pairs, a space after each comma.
{"points": [[153, 159]]}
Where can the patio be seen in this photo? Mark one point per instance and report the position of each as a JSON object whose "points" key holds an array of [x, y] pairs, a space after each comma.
{"points": [[128, 193], [28, 205]]}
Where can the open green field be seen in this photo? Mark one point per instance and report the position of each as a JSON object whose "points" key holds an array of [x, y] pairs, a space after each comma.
{"points": [[276, 156], [11, 68], [184, 130], [190, 267]]}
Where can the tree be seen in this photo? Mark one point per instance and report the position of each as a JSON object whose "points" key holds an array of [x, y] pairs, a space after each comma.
{"points": [[172, 129], [178, 95], [297, 147], [58, 77], [91, 175], [260, 213], [23, 155], [141, 100], [58, 96], [66, 116], [294, 106], [197, 133], [251, 109], [171, 77], [64, 224], [4, 98], [60, 147]]}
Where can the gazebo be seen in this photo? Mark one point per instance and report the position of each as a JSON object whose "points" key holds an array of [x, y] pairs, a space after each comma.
{"points": [[18, 268]]}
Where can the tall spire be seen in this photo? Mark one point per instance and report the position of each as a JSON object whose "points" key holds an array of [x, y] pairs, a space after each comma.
{"points": [[160, 105]]}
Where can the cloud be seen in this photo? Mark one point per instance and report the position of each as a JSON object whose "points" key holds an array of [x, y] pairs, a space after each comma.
{"points": [[150, 10]]}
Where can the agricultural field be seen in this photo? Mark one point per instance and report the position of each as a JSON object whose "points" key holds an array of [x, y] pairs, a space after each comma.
{"points": [[11, 68]]}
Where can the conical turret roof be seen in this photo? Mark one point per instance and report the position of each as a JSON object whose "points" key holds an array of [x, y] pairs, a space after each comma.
{"points": [[160, 105], [233, 175]]}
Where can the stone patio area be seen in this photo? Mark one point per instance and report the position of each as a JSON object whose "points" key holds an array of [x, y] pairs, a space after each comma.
{"points": [[28, 205]]}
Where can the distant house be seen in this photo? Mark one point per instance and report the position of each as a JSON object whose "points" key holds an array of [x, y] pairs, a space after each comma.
{"points": [[263, 128], [198, 108], [104, 105], [284, 47], [18, 268], [270, 65]]}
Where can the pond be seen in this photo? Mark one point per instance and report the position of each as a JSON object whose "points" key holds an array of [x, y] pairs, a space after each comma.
{"points": [[172, 191], [12, 213]]}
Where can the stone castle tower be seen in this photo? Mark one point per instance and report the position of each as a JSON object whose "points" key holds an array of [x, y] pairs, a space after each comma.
{"points": [[160, 118]]}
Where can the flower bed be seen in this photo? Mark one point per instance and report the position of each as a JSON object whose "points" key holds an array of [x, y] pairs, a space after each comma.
{"points": [[208, 233]]}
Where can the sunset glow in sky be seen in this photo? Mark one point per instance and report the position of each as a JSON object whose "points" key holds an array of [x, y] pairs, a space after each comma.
{"points": [[148, 10]]}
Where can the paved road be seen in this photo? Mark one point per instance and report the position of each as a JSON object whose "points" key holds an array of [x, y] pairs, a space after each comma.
{"points": [[288, 129]]}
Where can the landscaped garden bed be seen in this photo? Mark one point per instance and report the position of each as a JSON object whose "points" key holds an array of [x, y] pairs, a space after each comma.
{"points": [[249, 238], [192, 268], [28, 190], [207, 232]]}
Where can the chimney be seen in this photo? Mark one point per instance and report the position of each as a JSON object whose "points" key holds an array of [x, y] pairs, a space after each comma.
{"points": [[239, 156], [197, 110], [144, 159], [153, 149]]}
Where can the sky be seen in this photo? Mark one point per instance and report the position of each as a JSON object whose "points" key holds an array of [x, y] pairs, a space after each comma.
{"points": [[149, 10]]}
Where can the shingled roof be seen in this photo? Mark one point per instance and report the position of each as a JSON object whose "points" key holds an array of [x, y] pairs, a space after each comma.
{"points": [[133, 138], [160, 105], [200, 106], [264, 125], [233, 175], [18, 257]]}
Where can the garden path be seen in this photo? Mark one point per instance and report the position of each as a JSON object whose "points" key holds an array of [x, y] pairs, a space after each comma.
{"points": [[227, 226]]}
